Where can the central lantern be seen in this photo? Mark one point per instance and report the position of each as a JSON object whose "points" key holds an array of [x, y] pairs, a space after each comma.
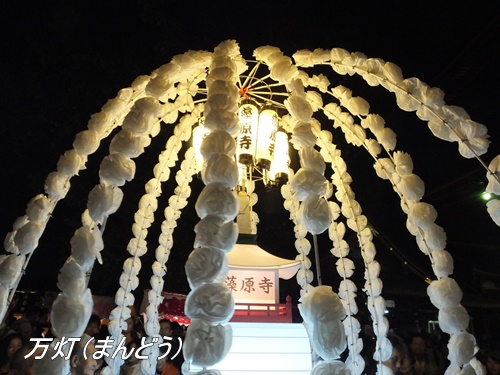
{"points": [[231, 112]]}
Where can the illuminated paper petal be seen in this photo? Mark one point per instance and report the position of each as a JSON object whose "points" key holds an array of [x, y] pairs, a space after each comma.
{"points": [[453, 320], [138, 122], [303, 136], [493, 176], [86, 142], [444, 292], [328, 338], [218, 142], [422, 215], [213, 303], [129, 144], [211, 232], [26, 238], [462, 348], [314, 214], [205, 344], [206, 266], [330, 368], [56, 186], [221, 169], [493, 207], [322, 304], [10, 268], [312, 159], [38, 208], [71, 279], [384, 168], [308, 182], [116, 169], [70, 163], [70, 316], [103, 201], [215, 199], [443, 263], [86, 245]]}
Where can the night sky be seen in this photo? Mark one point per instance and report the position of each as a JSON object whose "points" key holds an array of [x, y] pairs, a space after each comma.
{"points": [[61, 62]]}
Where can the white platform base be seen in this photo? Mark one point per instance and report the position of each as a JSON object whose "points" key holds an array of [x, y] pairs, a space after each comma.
{"points": [[267, 349]]}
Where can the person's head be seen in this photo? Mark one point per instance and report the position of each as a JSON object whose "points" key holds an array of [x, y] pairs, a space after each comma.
{"points": [[24, 327], [93, 326], [408, 365], [132, 346], [166, 328], [398, 353], [9, 345], [492, 362], [81, 364], [20, 365], [169, 354], [418, 344]]}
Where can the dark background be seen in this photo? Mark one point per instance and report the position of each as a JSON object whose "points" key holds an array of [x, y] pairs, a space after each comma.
{"points": [[61, 61]]}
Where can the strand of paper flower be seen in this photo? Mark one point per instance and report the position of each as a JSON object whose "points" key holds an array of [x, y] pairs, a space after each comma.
{"points": [[449, 123], [406, 193], [75, 299], [431, 238], [345, 267], [210, 303], [356, 135], [22, 241], [311, 187], [176, 202], [304, 275], [308, 184], [148, 204]]}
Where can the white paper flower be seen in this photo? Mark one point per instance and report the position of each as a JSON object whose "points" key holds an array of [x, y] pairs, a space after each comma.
{"points": [[462, 347], [308, 182], [70, 315], [129, 144], [493, 207], [86, 245], [218, 142], [205, 344], [212, 302], [442, 263], [312, 159], [222, 169], [116, 169], [444, 292], [453, 320], [26, 238], [330, 368], [422, 215], [103, 201], [322, 304], [56, 186], [303, 136], [314, 214], [70, 163], [86, 142], [10, 268], [215, 199], [493, 176], [211, 232], [206, 266]]}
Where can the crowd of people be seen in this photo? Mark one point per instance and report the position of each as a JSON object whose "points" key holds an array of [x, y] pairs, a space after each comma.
{"points": [[18, 351], [420, 354], [417, 354]]}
